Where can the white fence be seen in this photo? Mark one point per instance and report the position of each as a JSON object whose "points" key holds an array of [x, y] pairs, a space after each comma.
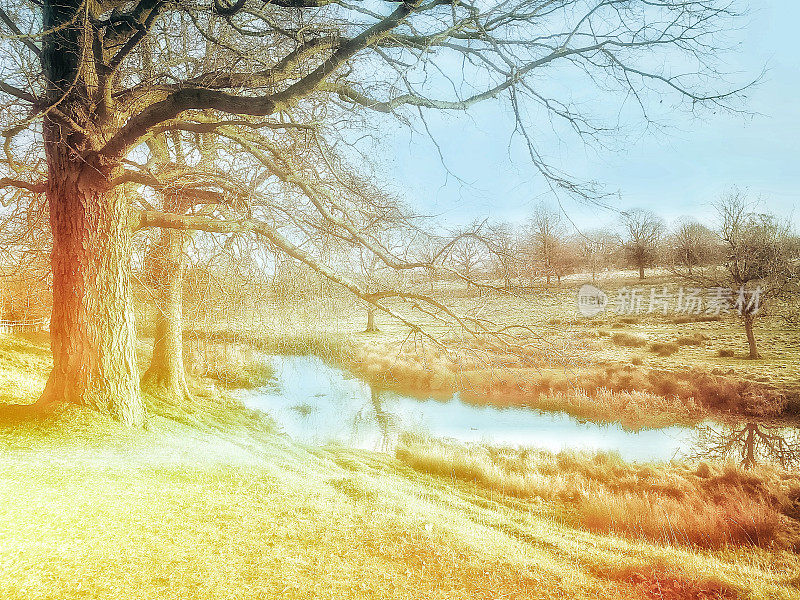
{"points": [[24, 326]]}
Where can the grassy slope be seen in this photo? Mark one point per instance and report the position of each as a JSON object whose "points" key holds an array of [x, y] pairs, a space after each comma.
{"points": [[213, 505]]}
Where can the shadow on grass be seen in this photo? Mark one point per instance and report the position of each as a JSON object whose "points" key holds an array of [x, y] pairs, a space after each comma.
{"points": [[21, 415]]}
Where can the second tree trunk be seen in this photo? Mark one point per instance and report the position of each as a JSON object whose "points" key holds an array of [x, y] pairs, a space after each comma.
{"points": [[166, 373]]}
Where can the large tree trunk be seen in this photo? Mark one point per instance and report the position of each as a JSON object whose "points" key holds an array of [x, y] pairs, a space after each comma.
{"points": [[92, 324], [751, 337], [166, 374], [641, 271]]}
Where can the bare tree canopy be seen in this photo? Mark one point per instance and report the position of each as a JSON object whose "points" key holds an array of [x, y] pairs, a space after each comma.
{"points": [[756, 261], [84, 86], [643, 231], [692, 244]]}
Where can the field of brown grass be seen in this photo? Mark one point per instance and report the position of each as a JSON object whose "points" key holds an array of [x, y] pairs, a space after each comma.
{"points": [[705, 505]]}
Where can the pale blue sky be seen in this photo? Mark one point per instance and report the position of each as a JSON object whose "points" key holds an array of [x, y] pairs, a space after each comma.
{"points": [[676, 172]]}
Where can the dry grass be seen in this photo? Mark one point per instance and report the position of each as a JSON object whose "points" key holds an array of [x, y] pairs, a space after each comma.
{"points": [[736, 520], [663, 583], [696, 339], [628, 340], [209, 503], [664, 348], [713, 506]]}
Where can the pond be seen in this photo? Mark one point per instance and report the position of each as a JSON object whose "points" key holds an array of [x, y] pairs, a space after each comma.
{"points": [[316, 403]]}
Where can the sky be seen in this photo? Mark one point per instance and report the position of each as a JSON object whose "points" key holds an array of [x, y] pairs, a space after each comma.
{"points": [[675, 172]]}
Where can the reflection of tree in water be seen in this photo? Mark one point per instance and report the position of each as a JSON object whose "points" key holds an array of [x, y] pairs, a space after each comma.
{"points": [[749, 442], [376, 412]]}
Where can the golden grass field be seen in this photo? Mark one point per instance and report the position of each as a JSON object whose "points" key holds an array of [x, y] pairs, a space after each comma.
{"points": [[210, 501]]}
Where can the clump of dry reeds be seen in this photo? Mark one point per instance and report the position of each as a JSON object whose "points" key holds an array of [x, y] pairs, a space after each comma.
{"points": [[628, 393], [709, 506]]}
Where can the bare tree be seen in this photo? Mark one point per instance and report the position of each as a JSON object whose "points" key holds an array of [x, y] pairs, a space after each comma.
{"points": [[505, 257], [566, 258], [756, 266], [642, 234], [86, 84], [597, 247], [692, 244], [756, 255], [469, 256], [546, 241], [375, 276], [180, 190]]}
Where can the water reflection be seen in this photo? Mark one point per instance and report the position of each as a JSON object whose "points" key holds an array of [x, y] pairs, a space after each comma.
{"points": [[749, 443], [373, 415], [318, 404]]}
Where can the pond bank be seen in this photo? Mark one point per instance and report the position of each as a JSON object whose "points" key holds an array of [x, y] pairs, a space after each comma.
{"points": [[319, 403], [208, 503], [632, 395]]}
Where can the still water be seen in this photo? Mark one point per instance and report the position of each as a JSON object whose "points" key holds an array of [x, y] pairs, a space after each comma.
{"points": [[316, 403]]}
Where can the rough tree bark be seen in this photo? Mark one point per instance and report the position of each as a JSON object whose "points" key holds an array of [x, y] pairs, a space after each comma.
{"points": [[92, 324], [166, 374]]}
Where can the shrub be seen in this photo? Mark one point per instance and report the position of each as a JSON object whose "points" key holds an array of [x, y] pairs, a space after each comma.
{"points": [[629, 340], [664, 348], [249, 376], [691, 340], [726, 353]]}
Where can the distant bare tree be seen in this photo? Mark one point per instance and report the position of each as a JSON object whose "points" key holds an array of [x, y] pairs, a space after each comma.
{"points": [[375, 276], [642, 234], [757, 263], [25, 243], [597, 248], [505, 257], [566, 258], [469, 256], [692, 244], [545, 241]]}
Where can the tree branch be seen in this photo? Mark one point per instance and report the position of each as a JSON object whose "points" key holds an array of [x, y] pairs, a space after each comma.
{"points": [[201, 99]]}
